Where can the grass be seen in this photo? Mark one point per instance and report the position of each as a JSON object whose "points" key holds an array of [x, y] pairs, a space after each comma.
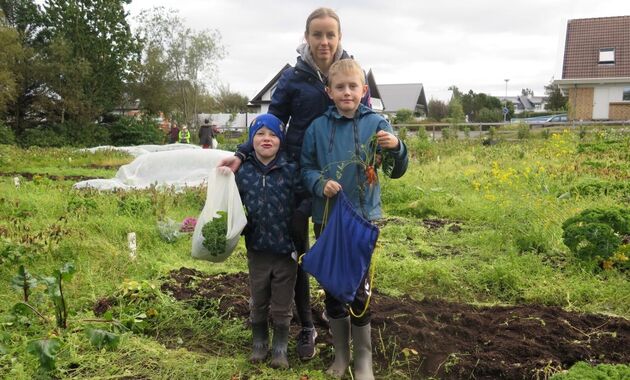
{"points": [[501, 208]]}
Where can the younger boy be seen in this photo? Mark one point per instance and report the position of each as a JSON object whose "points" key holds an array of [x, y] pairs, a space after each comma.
{"points": [[333, 145], [267, 183]]}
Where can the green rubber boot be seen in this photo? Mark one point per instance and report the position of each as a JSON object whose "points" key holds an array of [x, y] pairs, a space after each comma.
{"points": [[279, 356], [340, 330], [362, 352], [260, 342]]}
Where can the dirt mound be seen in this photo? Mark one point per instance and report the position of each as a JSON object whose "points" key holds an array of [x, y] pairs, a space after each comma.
{"points": [[449, 340]]}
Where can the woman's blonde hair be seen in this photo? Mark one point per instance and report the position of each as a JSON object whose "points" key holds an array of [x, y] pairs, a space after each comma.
{"points": [[345, 66], [321, 13]]}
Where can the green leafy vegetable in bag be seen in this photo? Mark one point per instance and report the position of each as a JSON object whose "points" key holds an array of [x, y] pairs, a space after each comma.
{"points": [[214, 233]]}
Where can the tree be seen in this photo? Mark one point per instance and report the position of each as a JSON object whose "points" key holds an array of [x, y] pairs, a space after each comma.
{"points": [[438, 109], [527, 92], [403, 116], [12, 54], [556, 101], [472, 105], [230, 102], [24, 17], [90, 51], [455, 110], [189, 55]]}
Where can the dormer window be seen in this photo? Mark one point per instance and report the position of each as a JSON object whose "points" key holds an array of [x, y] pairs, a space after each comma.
{"points": [[607, 56]]}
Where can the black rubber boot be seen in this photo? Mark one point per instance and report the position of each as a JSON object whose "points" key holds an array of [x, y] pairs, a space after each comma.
{"points": [[279, 356], [260, 342], [362, 352], [340, 329]]}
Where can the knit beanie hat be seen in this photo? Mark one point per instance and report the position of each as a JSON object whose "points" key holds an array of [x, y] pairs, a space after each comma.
{"points": [[267, 120]]}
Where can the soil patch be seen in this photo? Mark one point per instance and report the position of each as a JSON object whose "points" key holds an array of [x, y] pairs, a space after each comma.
{"points": [[29, 176], [445, 339]]}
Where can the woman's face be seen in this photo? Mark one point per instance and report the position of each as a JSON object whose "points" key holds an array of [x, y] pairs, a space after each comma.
{"points": [[323, 38]]}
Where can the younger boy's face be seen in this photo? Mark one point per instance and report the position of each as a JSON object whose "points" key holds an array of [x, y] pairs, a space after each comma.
{"points": [[266, 144], [346, 90]]}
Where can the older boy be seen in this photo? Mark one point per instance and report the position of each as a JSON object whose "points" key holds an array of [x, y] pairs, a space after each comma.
{"points": [[267, 183], [343, 136]]}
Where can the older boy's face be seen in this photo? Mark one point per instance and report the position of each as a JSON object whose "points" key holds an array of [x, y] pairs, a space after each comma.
{"points": [[266, 145], [346, 90]]}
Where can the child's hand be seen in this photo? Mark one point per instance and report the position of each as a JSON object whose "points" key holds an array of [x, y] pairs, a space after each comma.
{"points": [[331, 188], [233, 163], [225, 170], [387, 140]]}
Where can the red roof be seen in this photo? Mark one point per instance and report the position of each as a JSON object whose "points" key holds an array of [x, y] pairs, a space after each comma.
{"points": [[585, 37]]}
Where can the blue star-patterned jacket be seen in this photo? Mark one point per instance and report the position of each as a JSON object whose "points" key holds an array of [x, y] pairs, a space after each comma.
{"points": [[268, 194]]}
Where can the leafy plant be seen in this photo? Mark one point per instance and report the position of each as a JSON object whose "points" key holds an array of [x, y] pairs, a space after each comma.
{"points": [[46, 351], [102, 339], [214, 233], [595, 234], [24, 282], [55, 292]]}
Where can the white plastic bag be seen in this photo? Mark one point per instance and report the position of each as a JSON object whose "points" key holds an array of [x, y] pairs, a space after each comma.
{"points": [[222, 196], [215, 143]]}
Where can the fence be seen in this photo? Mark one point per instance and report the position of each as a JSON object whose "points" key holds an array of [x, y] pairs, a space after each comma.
{"points": [[478, 130]]}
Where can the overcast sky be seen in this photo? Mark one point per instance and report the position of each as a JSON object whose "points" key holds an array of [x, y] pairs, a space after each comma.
{"points": [[471, 44]]}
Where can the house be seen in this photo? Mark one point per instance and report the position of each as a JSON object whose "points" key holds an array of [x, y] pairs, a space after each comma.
{"points": [[260, 102], [596, 68], [410, 96], [527, 103]]}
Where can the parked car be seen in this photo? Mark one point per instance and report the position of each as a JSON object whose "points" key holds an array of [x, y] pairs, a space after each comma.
{"points": [[561, 118]]}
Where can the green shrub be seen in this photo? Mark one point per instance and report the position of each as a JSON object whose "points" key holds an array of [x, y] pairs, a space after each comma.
{"points": [[596, 234], [449, 133], [523, 131], [7, 137], [131, 131], [41, 136], [65, 134]]}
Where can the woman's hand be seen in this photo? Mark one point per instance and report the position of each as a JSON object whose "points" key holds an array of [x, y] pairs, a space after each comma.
{"points": [[232, 162], [331, 188], [387, 140]]}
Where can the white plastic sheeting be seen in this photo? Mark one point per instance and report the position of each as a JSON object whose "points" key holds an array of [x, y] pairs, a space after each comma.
{"points": [[169, 168], [142, 149]]}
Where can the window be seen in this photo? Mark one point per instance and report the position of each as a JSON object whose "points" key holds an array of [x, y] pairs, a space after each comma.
{"points": [[626, 93], [607, 55]]}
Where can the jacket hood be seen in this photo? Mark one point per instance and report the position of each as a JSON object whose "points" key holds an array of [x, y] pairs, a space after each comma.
{"points": [[305, 55]]}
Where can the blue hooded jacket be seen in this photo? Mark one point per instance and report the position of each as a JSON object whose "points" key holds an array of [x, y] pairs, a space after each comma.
{"points": [[267, 192], [333, 140]]}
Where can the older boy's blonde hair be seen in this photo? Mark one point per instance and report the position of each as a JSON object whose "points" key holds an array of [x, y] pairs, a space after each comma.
{"points": [[345, 66]]}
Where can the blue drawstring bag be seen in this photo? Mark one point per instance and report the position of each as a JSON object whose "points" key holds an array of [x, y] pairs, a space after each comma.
{"points": [[341, 256]]}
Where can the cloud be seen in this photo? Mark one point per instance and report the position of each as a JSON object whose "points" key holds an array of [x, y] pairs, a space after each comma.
{"points": [[473, 45]]}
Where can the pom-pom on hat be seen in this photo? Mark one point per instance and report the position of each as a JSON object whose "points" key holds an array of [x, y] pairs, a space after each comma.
{"points": [[270, 121]]}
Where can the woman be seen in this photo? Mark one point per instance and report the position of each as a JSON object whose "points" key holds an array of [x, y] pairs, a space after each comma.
{"points": [[299, 98]]}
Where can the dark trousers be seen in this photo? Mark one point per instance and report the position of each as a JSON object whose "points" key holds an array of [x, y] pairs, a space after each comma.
{"points": [[271, 284], [337, 309]]}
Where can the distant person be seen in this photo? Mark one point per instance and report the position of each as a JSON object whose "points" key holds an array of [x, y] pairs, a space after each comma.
{"points": [[338, 136], [207, 133], [173, 133], [184, 135], [267, 183], [300, 98]]}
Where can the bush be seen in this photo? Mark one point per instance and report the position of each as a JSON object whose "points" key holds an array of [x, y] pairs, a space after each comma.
{"points": [[489, 116], [65, 134], [42, 136], [7, 137], [449, 133], [523, 131], [131, 131], [596, 234]]}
